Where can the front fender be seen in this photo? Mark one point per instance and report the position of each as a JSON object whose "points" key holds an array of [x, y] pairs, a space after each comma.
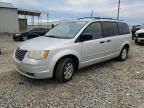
{"points": [[61, 54]]}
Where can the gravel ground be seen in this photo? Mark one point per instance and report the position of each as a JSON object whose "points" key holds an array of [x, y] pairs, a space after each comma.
{"points": [[112, 84]]}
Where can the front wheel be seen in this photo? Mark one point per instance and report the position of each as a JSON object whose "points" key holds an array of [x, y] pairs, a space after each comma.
{"points": [[124, 54], [64, 70]]}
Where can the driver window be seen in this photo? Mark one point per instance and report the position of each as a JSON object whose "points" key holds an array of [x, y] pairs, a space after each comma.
{"points": [[95, 30]]}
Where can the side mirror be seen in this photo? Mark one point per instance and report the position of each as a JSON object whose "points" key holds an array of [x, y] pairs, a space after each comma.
{"points": [[85, 37]]}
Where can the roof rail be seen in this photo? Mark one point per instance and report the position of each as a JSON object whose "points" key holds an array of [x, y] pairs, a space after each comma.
{"points": [[95, 18]]}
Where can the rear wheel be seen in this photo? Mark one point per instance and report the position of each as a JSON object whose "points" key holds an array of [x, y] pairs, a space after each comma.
{"points": [[24, 38], [64, 70], [124, 54]]}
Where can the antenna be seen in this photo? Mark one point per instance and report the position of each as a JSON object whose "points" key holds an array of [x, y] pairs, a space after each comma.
{"points": [[92, 13], [118, 9]]}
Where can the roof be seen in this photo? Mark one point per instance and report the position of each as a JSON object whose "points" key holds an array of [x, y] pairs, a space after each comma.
{"points": [[28, 12], [107, 20], [98, 19], [7, 5]]}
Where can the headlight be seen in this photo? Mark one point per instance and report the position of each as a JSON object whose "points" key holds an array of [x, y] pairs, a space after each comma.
{"points": [[38, 54]]}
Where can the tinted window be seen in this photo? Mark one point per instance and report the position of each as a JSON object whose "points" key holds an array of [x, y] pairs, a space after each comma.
{"points": [[110, 29], [94, 29], [123, 28]]}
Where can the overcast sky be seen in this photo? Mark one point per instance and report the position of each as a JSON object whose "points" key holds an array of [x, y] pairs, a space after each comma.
{"points": [[131, 11]]}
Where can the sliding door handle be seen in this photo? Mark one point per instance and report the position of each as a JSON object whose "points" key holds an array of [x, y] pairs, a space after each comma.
{"points": [[101, 42], [108, 40]]}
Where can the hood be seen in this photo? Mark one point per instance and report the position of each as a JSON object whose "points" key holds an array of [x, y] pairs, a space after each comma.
{"points": [[43, 43], [140, 31]]}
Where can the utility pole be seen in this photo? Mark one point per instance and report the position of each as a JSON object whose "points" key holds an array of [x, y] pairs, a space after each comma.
{"points": [[47, 18], [38, 21], [118, 9]]}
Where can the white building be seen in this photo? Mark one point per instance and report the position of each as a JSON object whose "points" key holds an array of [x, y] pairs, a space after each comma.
{"points": [[10, 21], [8, 18]]}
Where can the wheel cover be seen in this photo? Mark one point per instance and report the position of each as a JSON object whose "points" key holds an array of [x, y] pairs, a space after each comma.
{"points": [[68, 71], [124, 54]]}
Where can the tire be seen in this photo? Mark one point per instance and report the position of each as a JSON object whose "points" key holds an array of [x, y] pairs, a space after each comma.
{"points": [[124, 54], [136, 41], [64, 70], [24, 38]]}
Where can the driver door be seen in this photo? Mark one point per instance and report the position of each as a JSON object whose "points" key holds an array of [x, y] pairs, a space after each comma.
{"points": [[93, 50]]}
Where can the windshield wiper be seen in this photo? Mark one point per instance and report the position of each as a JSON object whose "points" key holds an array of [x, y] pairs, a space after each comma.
{"points": [[57, 37], [52, 36]]}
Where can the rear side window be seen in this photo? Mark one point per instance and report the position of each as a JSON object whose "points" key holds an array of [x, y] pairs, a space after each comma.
{"points": [[123, 28], [94, 29], [110, 29]]}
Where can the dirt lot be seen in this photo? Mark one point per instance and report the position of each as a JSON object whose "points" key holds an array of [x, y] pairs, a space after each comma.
{"points": [[111, 84]]}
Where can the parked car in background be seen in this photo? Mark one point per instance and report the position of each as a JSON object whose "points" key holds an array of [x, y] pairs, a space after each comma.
{"points": [[134, 29], [139, 36], [30, 34], [73, 45]]}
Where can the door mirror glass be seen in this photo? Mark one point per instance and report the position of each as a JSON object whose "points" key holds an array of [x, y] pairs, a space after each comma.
{"points": [[86, 37]]}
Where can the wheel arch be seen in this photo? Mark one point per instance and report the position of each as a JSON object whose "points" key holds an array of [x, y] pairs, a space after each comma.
{"points": [[72, 56], [126, 44]]}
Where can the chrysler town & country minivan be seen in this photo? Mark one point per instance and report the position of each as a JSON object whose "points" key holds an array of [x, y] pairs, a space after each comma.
{"points": [[72, 45]]}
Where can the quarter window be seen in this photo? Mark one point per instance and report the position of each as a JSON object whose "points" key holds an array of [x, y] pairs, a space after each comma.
{"points": [[95, 30], [110, 29], [123, 28]]}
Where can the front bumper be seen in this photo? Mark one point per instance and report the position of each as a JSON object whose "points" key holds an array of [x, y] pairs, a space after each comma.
{"points": [[39, 71]]}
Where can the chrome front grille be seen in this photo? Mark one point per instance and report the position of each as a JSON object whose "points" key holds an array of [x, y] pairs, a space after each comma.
{"points": [[19, 54]]}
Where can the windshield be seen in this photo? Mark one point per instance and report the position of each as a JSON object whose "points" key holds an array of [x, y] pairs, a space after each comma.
{"points": [[35, 29], [66, 30]]}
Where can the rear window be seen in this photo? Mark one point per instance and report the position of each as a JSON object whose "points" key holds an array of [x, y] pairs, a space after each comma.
{"points": [[110, 29], [38, 29], [123, 28]]}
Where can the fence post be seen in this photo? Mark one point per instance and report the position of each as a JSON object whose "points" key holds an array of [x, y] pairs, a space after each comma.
{"points": [[0, 51]]}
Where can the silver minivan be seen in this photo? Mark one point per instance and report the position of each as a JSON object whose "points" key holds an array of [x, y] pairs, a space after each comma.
{"points": [[72, 45]]}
